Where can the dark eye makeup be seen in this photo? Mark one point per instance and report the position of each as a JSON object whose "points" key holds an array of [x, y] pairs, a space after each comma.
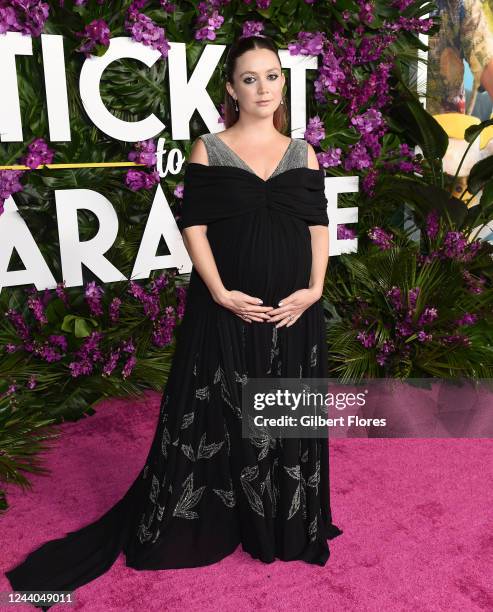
{"points": [[251, 77]]}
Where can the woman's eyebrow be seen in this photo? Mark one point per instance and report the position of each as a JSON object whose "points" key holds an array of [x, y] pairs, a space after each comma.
{"points": [[253, 72]]}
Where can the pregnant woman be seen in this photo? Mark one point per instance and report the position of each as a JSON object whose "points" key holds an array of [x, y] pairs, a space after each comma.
{"points": [[255, 225]]}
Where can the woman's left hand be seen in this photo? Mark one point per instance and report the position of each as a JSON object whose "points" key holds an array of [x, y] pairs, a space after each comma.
{"points": [[292, 307]]}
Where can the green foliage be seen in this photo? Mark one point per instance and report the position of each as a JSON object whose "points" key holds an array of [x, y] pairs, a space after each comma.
{"points": [[449, 280], [36, 394], [362, 302], [25, 435]]}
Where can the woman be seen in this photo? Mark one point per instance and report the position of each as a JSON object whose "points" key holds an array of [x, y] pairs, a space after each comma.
{"points": [[255, 224]]}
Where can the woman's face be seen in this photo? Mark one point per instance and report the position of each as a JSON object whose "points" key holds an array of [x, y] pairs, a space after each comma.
{"points": [[257, 77]]}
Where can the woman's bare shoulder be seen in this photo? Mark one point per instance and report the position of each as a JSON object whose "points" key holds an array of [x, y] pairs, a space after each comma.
{"points": [[312, 158], [198, 152]]}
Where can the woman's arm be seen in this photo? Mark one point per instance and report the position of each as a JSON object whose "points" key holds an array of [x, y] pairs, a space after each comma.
{"points": [[320, 257], [197, 244], [320, 241]]}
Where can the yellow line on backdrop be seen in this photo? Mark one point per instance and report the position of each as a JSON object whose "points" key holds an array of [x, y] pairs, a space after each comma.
{"points": [[88, 165]]}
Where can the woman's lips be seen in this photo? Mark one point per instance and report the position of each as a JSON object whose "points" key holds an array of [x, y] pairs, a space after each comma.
{"points": [[263, 103]]}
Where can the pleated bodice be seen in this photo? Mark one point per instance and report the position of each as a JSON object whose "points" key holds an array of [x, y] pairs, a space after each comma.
{"points": [[258, 229]]}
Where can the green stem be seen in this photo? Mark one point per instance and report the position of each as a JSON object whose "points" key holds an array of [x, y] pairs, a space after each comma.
{"points": [[462, 160]]}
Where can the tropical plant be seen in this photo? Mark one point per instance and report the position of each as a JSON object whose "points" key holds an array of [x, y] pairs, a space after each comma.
{"points": [[409, 308]]}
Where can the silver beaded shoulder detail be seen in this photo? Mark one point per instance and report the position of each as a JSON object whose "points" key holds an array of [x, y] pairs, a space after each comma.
{"points": [[219, 154]]}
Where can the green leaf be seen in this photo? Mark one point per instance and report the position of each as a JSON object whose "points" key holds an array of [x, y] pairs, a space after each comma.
{"points": [[79, 326], [480, 173], [473, 131], [423, 198], [482, 212], [421, 127]]}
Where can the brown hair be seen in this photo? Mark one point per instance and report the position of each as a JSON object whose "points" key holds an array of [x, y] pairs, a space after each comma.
{"points": [[237, 48]]}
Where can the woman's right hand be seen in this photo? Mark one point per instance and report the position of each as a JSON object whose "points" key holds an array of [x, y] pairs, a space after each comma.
{"points": [[245, 306]]}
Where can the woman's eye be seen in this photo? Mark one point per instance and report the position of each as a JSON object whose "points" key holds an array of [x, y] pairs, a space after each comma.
{"points": [[270, 75]]}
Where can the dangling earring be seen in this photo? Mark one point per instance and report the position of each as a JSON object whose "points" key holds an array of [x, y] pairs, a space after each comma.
{"points": [[236, 105]]}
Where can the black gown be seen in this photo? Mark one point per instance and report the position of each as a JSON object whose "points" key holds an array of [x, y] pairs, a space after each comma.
{"points": [[204, 488]]}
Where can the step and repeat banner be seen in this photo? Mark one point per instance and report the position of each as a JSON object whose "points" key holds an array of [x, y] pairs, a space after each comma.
{"points": [[187, 94]]}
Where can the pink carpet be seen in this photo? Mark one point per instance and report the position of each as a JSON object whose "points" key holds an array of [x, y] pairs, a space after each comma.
{"points": [[417, 517]]}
